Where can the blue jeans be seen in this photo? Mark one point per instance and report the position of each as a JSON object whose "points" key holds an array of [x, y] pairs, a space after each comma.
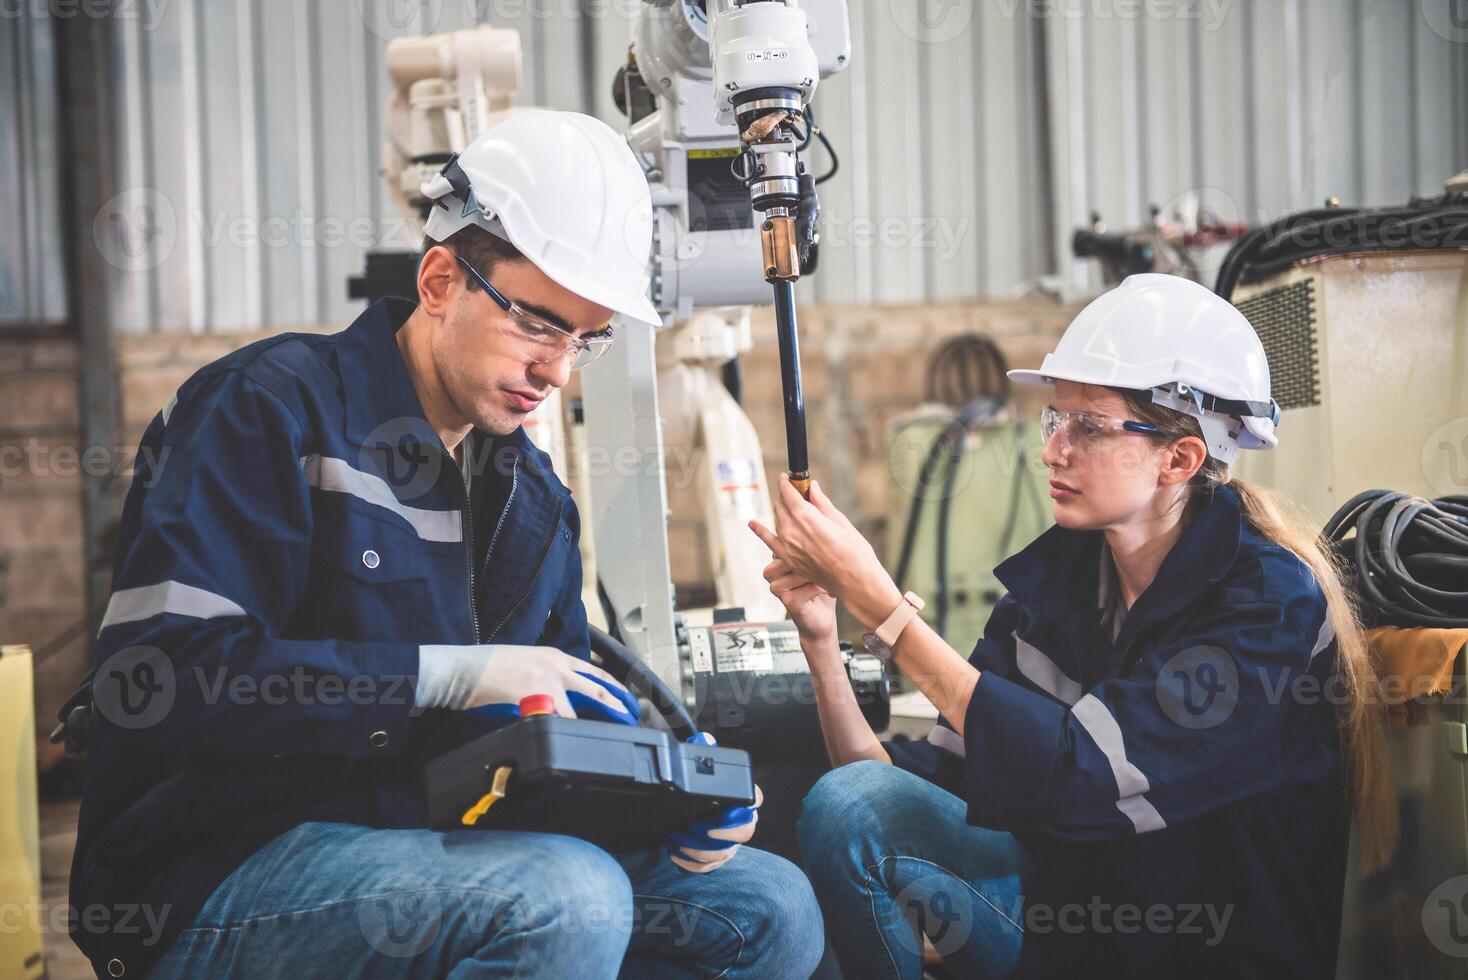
{"points": [[340, 900], [889, 854]]}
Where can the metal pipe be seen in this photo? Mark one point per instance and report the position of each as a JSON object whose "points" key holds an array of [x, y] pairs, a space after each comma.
{"points": [[88, 141]]}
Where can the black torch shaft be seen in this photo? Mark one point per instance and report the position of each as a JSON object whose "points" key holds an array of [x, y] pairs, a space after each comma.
{"points": [[785, 329]]}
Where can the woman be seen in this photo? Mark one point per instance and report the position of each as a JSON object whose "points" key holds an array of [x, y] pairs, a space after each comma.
{"points": [[1139, 770]]}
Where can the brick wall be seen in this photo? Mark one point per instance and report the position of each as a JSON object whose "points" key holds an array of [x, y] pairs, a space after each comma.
{"points": [[42, 591], [862, 367]]}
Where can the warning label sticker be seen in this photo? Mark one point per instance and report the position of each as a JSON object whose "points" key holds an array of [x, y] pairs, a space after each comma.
{"points": [[702, 649], [717, 153], [741, 646]]}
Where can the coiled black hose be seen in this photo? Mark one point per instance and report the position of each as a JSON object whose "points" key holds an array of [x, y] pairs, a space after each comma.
{"points": [[1408, 557], [1423, 223]]}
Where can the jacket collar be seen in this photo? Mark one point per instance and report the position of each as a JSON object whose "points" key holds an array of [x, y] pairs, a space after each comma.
{"points": [[509, 458], [382, 407], [1057, 576]]}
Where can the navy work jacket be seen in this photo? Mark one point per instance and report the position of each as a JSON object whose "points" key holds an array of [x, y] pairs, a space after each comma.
{"points": [[295, 530], [1179, 782]]}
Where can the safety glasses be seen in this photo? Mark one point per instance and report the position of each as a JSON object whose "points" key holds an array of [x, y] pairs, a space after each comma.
{"points": [[1086, 429], [541, 340]]}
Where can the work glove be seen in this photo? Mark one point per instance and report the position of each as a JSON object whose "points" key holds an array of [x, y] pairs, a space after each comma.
{"points": [[629, 712], [491, 680], [710, 842]]}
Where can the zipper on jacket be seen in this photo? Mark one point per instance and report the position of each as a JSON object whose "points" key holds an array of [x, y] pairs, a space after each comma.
{"points": [[1122, 666], [468, 539], [1127, 663], [540, 564], [505, 511]]}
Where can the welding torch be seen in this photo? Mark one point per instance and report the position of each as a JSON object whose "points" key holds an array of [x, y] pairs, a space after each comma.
{"points": [[782, 193]]}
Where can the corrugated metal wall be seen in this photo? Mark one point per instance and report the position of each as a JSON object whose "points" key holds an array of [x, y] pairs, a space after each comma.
{"points": [[32, 291], [1259, 108], [973, 136]]}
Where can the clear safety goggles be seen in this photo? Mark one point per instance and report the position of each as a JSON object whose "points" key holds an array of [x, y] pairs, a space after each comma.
{"points": [[1085, 430], [541, 340]]}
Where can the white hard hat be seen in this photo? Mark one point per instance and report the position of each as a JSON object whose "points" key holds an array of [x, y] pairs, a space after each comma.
{"points": [[1185, 345], [566, 191]]}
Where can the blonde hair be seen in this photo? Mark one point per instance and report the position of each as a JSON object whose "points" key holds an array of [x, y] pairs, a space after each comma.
{"points": [[1361, 716]]}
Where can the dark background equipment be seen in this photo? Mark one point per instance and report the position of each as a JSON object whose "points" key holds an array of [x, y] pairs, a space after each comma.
{"points": [[753, 691]]}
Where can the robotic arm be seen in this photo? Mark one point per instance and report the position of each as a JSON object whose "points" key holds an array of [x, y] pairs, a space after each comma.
{"points": [[752, 65], [764, 74], [717, 99], [447, 89]]}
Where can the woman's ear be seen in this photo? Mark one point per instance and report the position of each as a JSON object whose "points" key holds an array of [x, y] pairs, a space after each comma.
{"points": [[1183, 459]]}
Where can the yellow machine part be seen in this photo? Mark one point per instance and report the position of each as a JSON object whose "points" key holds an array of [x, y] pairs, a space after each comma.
{"points": [[20, 846]]}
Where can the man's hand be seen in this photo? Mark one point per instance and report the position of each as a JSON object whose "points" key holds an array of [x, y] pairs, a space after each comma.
{"points": [[707, 844], [627, 712], [467, 677]]}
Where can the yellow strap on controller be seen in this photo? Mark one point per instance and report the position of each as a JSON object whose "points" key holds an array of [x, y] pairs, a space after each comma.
{"points": [[496, 793]]}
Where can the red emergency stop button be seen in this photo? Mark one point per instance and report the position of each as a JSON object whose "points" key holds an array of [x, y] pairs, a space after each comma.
{"points": [[537, 704]]}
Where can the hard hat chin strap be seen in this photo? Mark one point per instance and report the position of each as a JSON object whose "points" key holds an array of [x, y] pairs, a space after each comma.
{"points": [[1220, 430], [1232, 406]]}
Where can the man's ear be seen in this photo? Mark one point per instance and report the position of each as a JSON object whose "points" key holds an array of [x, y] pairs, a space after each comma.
{"points": [[435, 275], [1184, 458]]}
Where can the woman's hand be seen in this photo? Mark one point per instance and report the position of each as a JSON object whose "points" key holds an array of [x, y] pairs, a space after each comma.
{"points": [[812, 609], [817, 543]]}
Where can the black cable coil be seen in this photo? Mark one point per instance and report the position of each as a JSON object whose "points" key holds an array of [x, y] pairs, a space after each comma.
{"points": [[1423, 223], [1408, 557]]}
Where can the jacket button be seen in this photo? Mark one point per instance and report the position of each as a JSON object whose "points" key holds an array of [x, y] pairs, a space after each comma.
{"points": [[370, 558], [115, 968], [566, 534], [377, 739]]}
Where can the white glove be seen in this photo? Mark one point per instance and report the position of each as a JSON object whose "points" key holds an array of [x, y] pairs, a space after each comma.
{"points": [[465, 677]]}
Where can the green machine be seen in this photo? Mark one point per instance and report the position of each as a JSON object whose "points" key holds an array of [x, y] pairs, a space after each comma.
{"points": [[968, 489]]}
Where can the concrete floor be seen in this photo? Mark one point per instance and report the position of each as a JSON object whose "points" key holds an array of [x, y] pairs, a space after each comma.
{"points": [[58, 839]]}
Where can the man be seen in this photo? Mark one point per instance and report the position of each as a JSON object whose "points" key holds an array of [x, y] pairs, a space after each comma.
{"points": [[347, 546]]}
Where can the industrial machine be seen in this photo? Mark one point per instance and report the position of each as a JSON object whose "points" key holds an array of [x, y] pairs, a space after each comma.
{"points": [[718, 103], [717, 96], [1187, 239], [1321, 314], [968, 489]]}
